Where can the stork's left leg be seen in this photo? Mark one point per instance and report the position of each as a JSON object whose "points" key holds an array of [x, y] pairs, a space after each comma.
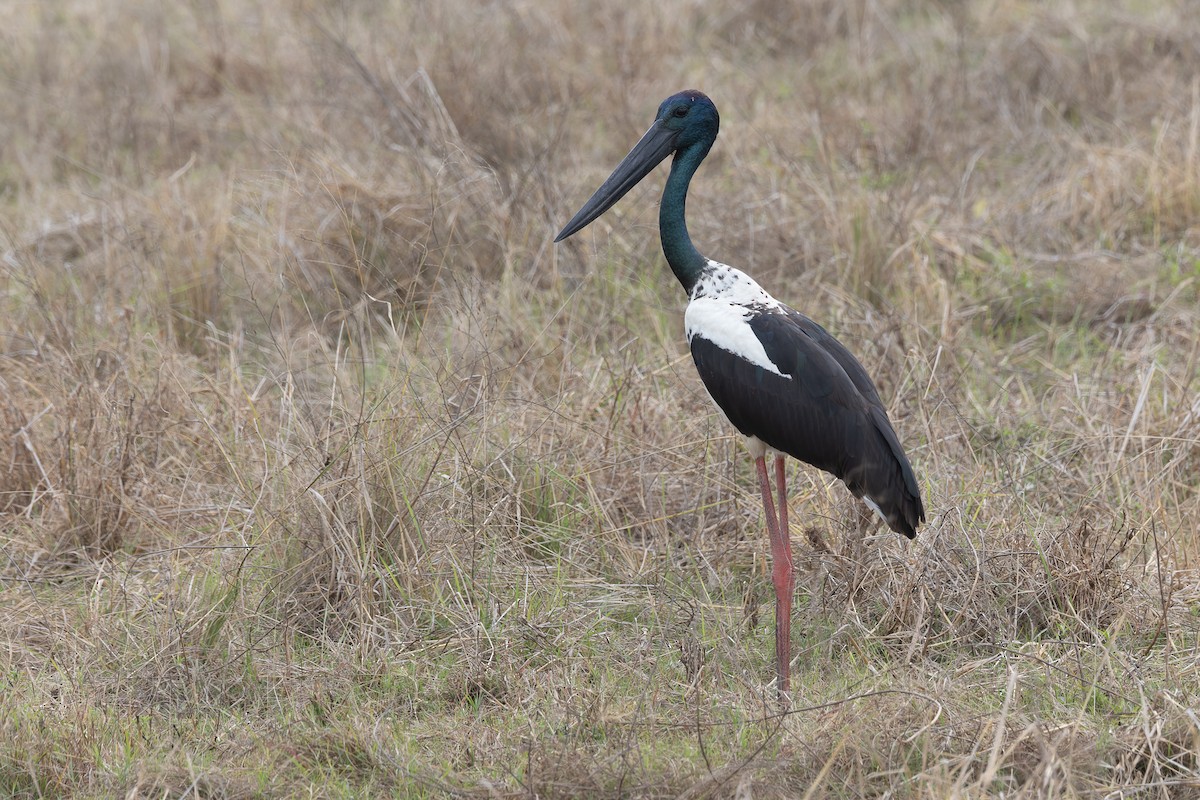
{"points": [[781, 576], [781, 484]]}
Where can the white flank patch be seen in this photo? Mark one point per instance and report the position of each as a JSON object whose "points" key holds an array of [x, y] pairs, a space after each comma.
{"points": [[872, 505], [757, 447], [722, 303]]}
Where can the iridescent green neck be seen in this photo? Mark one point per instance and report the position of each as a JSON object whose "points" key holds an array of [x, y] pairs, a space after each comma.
{"points": [[685, 260]]}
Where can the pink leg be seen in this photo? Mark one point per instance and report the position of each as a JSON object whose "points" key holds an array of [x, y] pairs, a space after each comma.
{"points": [[782, 574], [781, 571], [781, 484]]}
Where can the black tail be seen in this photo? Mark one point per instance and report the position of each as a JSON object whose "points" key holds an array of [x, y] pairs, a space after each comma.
{"points": [[889, 481]]}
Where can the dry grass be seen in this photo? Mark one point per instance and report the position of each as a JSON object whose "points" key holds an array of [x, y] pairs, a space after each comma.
{"points": [[322, 472]]}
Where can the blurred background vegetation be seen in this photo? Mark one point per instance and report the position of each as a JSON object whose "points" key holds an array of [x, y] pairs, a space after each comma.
{"points": [[323, 472]]}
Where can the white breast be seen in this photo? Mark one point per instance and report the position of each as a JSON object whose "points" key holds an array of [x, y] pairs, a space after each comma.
{"points": [[722, 304]]}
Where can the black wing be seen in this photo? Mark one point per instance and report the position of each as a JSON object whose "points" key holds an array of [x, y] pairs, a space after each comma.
{"points": [[823, 410]]}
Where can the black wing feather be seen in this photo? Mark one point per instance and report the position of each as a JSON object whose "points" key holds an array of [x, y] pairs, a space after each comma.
{"points": [[824, 410]]}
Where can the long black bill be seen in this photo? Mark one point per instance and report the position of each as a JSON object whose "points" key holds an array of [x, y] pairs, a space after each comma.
{"points": [[655, 145]]}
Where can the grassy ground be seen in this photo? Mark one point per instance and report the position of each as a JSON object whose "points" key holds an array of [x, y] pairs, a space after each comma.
{"points": [[323, 473]]}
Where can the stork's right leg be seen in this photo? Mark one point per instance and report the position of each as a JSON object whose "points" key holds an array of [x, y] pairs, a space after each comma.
{"points": [[781, 576]]}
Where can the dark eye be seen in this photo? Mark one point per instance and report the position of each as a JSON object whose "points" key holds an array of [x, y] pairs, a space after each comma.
{"points": [[681, 111]]}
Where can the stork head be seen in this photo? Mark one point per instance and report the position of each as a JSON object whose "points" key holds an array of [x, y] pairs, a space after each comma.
{"points": [[685, 121]]}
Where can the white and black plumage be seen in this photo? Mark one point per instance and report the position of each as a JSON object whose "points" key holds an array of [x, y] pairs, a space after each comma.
{"points": [[786, 384], [782, 380]]}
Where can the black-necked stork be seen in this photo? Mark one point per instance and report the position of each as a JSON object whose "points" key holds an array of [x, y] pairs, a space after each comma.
{"points": [[780, 378]]}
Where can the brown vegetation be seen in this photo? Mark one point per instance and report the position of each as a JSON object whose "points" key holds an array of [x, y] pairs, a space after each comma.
{"points": [[323, 472]]}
